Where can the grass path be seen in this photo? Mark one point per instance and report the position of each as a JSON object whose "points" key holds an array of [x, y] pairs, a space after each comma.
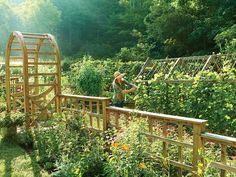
{"points": [[15, 162]]}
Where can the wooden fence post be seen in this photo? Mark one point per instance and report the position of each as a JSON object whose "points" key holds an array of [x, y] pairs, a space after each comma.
{"points": [[197, 147], [180, 149], [223, 159], [105, 114]]}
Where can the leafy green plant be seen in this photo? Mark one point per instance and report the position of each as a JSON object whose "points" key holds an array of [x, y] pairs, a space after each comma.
{"points": [[25, 138], [87, 79], [13, 119], [130, 155], [9, 123], [213, 101], [81, 151], [226, 40], [3, 105], [91, 158]]}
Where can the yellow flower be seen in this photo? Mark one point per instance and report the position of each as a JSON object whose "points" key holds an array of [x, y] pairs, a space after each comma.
{"points": [[142, 165], [77, 171], [125, 147], [114, 145]]}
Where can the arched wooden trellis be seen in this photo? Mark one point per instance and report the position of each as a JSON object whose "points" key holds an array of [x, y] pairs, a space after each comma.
{"points": [[34, 61]]}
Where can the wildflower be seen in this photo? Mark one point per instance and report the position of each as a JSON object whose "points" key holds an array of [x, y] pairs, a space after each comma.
{"points": [[200, 169], [170, 127], [125, 147], [142, 165], [114, 145]]}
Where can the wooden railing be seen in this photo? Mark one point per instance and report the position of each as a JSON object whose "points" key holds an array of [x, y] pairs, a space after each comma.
{"points": [[101, 117], [224, 142], [154, 120], [94, 107]]}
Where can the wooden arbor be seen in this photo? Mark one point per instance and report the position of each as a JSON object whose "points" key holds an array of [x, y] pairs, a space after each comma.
{"points": [[33, 74]]}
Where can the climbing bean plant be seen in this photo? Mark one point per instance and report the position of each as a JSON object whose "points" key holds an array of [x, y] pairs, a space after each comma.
{"points": [[212, 100]]}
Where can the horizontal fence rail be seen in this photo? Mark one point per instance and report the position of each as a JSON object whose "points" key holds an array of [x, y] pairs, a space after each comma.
{"points": [[224, 142]]}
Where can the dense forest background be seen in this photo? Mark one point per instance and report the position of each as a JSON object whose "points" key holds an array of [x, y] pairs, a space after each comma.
{"points": [[128, 29]]}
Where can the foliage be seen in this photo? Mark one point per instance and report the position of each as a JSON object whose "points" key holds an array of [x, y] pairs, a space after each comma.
{"points": [[90, 160], [6, 23], [87, 79], [33, 13], [105, 69], [207, 158], [64, 143], [194, 27], [66, 64], [25, 138], [130, 156], [103, 28], [213, 101], [27, 15], [226, 40], [3, 105], [137, 53], [66, 147], [8, 120]]}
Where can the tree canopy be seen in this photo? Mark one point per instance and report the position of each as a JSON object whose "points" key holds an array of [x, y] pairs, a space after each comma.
{"points": [[126, 28]]}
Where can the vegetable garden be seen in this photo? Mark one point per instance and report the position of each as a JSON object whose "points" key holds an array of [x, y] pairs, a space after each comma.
{"points": [[184, 102]]}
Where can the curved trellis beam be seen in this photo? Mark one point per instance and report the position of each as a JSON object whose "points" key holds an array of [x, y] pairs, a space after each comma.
{"points": [[23, 49]]}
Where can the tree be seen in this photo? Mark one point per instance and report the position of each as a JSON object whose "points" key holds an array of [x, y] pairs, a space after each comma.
{"points": [[38, 16], [7, 19], [226, 40], [181, 27]]}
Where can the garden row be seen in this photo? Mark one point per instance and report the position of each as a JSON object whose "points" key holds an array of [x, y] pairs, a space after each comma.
{"points": [[209, 95], [66, 148], [57, 142]]}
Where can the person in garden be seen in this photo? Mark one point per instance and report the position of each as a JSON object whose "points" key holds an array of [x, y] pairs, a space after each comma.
{"points": [[119, 85]]}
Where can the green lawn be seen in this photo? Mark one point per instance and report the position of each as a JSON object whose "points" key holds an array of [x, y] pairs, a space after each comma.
{"points": [[15, 162]]}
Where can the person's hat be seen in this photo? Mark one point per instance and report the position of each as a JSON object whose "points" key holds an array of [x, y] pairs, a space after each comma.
{"points": [[117, 73]]}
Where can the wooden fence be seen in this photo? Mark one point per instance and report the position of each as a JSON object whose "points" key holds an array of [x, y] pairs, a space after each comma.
{"points": [[102, 116]]}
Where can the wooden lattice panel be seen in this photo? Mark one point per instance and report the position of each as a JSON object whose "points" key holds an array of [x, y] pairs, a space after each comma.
{"points": [[227, 60], [188, 67]]}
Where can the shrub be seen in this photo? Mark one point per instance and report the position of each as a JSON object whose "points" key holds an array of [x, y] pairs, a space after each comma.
{"points": [[8, 120], [9, 123], [87, 79], [66, 63], [25, 138], [3, 106], [78, 152], [130, 156], [90, 161]]}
